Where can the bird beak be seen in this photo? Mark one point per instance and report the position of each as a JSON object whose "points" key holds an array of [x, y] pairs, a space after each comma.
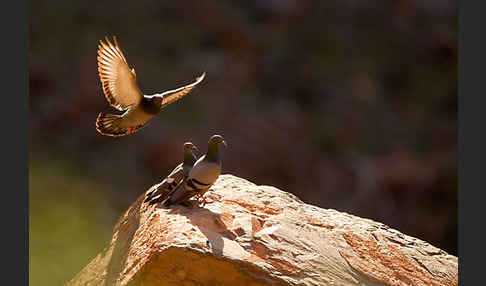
{"points": [[224, 143]]}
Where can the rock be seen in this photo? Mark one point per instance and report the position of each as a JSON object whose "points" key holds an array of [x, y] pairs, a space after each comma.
{"points": [[259, 235]]}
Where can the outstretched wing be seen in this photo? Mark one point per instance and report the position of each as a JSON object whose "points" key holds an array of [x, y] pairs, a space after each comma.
{"points": [[170, 96], [118, 81]]}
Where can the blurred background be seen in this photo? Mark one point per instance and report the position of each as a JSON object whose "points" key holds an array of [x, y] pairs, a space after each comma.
{"points": [[350, 105]]}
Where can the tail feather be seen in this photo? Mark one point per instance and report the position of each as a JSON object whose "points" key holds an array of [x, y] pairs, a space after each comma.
{"points": [[150, 195], [157, 197], [110, 125], [161, 193], [180, 195]]}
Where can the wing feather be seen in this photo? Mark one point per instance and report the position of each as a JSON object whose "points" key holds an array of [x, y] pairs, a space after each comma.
{"points": [[118, 81], [171, 96], [165, 188]]}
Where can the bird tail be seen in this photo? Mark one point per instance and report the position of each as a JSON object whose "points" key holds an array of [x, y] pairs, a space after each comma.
{"points": [[179, 195], [155, 199], [156, 196], [161, 192], [150, 195], [110, 125]]}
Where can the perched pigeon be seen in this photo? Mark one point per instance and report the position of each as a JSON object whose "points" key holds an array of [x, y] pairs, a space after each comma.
{"points": [[202, 175], [176, 177], [121, 90]]}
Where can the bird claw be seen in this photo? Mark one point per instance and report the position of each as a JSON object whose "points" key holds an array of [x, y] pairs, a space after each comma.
{"points": [[201, 199]]}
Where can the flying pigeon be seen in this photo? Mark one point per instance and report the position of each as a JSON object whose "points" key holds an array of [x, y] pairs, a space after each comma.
{"points": [[176, 177], [202, 175], [121, 91]]}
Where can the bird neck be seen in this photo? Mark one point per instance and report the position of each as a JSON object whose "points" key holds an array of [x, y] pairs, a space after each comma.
{"points": [[189, 158], [152, 105], [213, 153]]}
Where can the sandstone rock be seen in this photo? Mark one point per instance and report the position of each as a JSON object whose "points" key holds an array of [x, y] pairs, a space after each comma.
{"points": [[258, 235]]}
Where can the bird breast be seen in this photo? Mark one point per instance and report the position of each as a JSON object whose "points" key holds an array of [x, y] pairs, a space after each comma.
{"points": [[205, 172]]}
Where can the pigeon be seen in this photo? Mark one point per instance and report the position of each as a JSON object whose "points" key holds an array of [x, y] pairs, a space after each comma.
{"points": [[121, 91], [176, 177], [202, 175]]}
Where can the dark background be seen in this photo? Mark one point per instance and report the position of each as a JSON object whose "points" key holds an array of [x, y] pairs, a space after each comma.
{"points": [[348, 105]]}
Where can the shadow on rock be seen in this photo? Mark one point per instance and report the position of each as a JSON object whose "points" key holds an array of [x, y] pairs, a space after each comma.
{"points": [[209, 223]]}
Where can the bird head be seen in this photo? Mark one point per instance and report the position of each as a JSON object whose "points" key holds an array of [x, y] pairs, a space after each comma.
{"points": [[189, 147], [216, 140]]}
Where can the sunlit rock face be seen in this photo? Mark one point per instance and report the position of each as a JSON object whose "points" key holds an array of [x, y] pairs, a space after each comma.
{"points": [[259, 235]]}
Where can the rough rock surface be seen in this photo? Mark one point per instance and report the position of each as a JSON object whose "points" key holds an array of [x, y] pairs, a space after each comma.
{"points": [[259, 235]]}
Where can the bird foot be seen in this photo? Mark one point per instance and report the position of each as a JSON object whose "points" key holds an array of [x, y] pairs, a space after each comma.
{"points": [[201, 199], [130, 130]]}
